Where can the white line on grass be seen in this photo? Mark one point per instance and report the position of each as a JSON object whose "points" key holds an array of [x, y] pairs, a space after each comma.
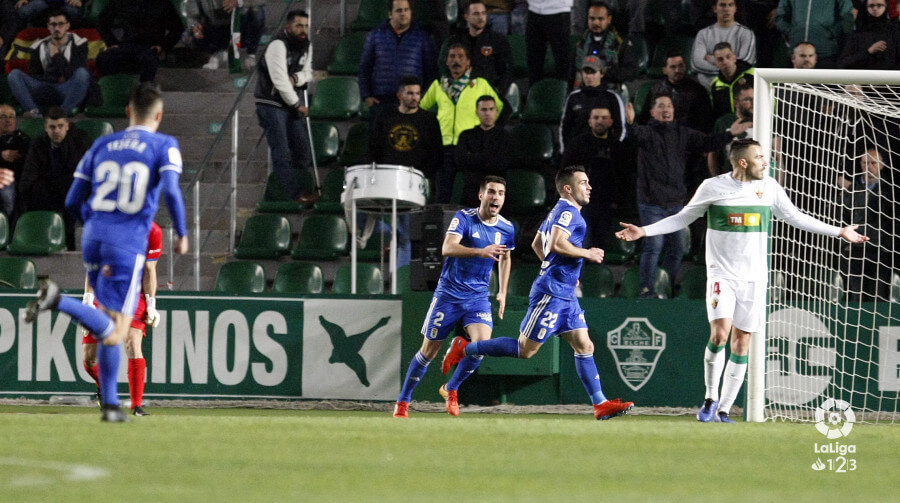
{"points": [[68, 472]]}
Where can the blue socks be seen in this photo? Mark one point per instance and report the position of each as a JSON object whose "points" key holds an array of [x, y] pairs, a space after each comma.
{"points": [[586, 369], [417, 368], [94, 320], [464, 370], [501, 346], [108, 358]]}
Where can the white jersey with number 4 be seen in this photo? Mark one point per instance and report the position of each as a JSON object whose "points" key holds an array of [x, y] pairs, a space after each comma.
{"points": [[739, 218]]}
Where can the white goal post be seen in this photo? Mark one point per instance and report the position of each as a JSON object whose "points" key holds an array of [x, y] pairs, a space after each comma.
{"points": [[833, 317]]}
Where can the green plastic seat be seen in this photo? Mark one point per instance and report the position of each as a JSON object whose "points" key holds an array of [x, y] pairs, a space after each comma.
{"points": [[276, 201], [641, 97], [513, 98], [371, 13], [369, 280], [693, 284], [335, 98], [299, 277], [95, 127], [526, 192], [521, 278], [265, 237], [241, 277], [322, 237], [639, 52], [16, 272], [332, 188], [631, 283], [355, 145], [326, 142], [618, 251], [545, 102], [597, 281], [116, 89], [31, 127], [532, 145], [38, 233], [4, 231], [348, 53]]}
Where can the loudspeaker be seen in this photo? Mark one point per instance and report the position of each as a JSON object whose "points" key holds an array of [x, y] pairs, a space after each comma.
{"points": [[427, 229]]}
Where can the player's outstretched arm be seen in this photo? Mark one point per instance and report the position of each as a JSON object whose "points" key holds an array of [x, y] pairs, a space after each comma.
{"points": [[849, 234], [504, 268], [630, 232]]}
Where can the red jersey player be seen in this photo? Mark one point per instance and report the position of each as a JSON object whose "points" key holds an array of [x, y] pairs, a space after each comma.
{"points": [[146, 314]]}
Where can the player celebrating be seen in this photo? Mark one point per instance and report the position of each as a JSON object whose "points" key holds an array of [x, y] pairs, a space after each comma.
{"points": [[146, 314], [739, 207], [116, 193], [552, 306], [476, 238]]}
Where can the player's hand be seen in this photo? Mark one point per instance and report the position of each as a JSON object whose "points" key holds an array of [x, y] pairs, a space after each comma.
{"points": [[493, 252], [501, 299], [595, 255], [181, 245], [849, 234], [151, 316], [630, 232]]}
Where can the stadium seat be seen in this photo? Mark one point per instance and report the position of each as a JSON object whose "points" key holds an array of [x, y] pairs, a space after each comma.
{"points": [[93, 15], [335, 98], [17, 272], [520, 279], [38, 233], [371, 13], [34, 128], [631, 283], [641, 96], [693, 284], [683, 44], [332, 188], [532, 146], [355, 144], [618, 251], [526, 192], [520, 59], [513, 99], [265, 237], [347, 54], [326, 142], [640, 53], [116, 91], [545, 102], [322, 237], [299, 277], [369, 280], [241, 277], [95, 127], [4, 231], [276, 201], [597, 281]]}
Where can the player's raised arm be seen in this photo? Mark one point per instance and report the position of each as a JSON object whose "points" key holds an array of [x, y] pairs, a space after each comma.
{"points": [[452, 247], [849, 234], [630, 232]]}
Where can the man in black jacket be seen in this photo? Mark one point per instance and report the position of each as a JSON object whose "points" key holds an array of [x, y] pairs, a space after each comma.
{"points": [[489, 52], [481, 151], [13, 147], [138, 34], [590, 95], [49, 168]]}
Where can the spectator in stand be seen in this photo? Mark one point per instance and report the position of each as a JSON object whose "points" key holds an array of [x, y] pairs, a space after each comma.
{"points": [[9, 25], [398, 47], [13, 149], [759, 16], [823, 22], [804, 56], [548, 23], [29, 11], [491, 55], [483, 150], [590, 95], [726, 29], [498, 13], [456, 98], [602, 40], [211, 29], [692, 104], [50, 166], [663, 146], [718, 160], [57, 71], [138, 34], [732, 72], [875, 45]]}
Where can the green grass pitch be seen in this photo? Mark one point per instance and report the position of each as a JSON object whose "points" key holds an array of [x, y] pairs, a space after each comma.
{"points": [[65, 454]]}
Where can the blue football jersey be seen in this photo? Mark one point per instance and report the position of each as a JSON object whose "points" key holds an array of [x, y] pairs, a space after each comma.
{"points": [[124, 170], [559, 274], [469, 278]]}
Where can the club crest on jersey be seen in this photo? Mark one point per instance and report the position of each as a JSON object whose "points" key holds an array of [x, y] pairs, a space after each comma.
{"points": [[497, 238], [487, 51], [636, 346], [565, 218], [759, 193]]}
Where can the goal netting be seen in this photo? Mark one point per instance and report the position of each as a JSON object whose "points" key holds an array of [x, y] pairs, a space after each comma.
{"points": [[833, 331]]}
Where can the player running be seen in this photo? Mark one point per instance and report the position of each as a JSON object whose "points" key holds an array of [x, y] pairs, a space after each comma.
{"points": [[116, 194], [475, 240], [739, 207], [552, 306]]}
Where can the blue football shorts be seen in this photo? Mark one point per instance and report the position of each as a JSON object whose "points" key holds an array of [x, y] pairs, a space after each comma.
{"points": [[115, 274], [548, 315], [443, 315]]}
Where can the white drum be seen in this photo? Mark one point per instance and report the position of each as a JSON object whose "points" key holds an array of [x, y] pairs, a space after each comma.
{"points": [[375, 186]]}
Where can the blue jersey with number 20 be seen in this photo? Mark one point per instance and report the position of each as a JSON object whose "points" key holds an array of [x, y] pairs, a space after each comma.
{"points": [[124, 170]]}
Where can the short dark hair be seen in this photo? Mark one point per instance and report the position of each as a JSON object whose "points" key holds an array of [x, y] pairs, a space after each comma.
{"points": [[491, 179], [739, 149], [663, 94], [474, 2], [674, 53], [295, 13], [390, 4], [565, 176], [459, 45], [741, 87], [408, 80], [143, 98], [484, 97], [56, 113], [722, 45], [59, 11]]}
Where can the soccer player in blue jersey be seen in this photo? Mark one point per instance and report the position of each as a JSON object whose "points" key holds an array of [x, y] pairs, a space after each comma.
{"points": [[116, 194], [475, 240], [553, 308]]}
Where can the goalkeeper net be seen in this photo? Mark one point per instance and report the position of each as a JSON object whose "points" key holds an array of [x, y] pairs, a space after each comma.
{"points": [[833, 331]]}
